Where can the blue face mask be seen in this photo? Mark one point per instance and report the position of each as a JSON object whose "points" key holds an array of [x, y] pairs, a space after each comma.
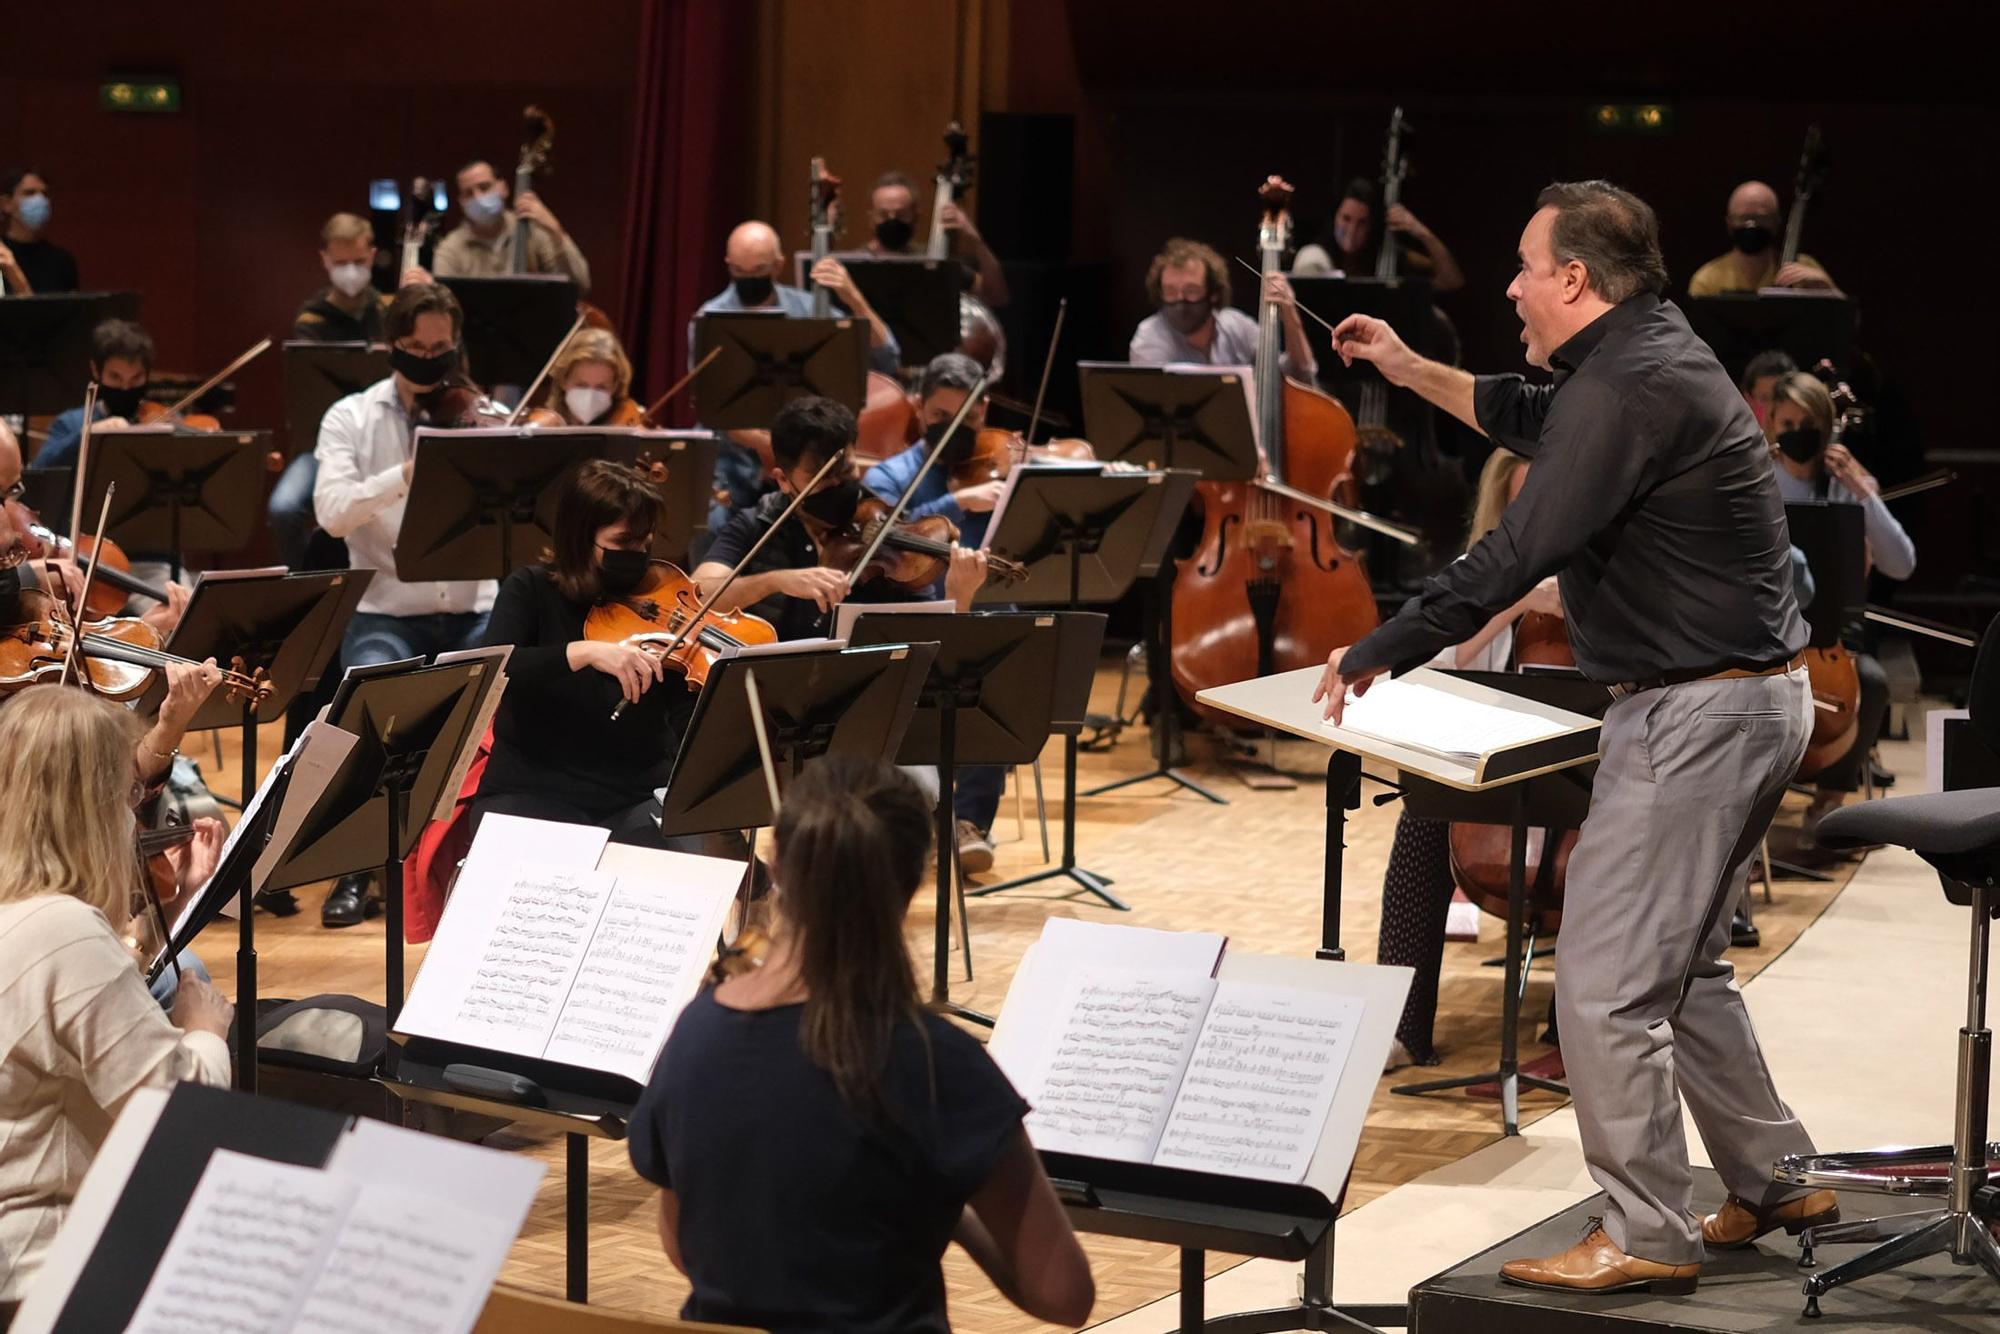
{"points": [[34, 212], [484, 208]]}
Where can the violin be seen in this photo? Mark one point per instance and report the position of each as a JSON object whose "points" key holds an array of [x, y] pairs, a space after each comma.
{"points": [[120, 653], [114, 582], [460, 406], [177, 414], [997, 451], [665, 616], [913, 556], [745, 954]]}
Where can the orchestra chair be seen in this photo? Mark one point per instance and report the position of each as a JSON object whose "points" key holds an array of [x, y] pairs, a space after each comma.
{"points": [[511, 1310], [1959, 834]]}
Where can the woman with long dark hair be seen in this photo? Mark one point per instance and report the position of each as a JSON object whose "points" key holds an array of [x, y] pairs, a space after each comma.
{"points": [[817, 1135]]}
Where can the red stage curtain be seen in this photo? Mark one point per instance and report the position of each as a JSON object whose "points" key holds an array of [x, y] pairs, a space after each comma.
{"points": [[688, 179]]}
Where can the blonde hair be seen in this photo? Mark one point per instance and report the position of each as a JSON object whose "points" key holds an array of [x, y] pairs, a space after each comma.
{"points": [[1494, 480], [1805, 391], [66, 765], [346, 227], [590, 345]]}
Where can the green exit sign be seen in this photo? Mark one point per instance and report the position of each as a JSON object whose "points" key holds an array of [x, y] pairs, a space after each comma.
{"points": [[156, 95], [1631, 117]]}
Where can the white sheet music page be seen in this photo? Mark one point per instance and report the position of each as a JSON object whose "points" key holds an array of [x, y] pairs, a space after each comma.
{"points": [[1438, 721], [1256, 1092], [1111, 1067], [405, 1263]]}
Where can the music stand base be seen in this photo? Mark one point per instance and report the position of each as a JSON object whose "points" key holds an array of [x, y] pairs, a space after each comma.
{"points": [[1315, 1312], [1086, 882], [1171, 775]]}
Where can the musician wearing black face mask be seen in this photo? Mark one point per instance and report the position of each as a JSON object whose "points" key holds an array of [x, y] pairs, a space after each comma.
{"points": [[1189, 283], [557, 754], [947, 380], [892, 213], [1756, 237], [121, 361]]}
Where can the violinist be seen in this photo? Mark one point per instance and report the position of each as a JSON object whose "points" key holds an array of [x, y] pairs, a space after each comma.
{"points": [[1812, 465], [1760, 376], [121, 361], [1756, 228], [1189, 283], [591, 382], [941, 393], [482, 246], [366, 453], [892, 213], [557, 753], [1354, 241], [29, 263], [348, 309], [819, 1137]]}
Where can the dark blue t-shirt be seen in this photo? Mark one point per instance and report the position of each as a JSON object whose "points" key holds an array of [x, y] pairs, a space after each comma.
{"points": [[795, 1212]]}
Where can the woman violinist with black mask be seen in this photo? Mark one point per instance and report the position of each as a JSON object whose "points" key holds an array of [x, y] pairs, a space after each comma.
{"points": [[557, 752]]}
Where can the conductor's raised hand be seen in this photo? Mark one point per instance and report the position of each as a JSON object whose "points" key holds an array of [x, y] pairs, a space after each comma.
{"points": [[1366, 338], [1334, 685]]}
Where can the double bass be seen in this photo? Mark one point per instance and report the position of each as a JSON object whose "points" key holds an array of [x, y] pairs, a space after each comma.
{"points": [[979, 334], [888, 422], [1270, 588]]}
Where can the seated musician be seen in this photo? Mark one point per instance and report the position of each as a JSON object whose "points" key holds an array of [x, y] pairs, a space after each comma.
{"points": [[1811, 465], [1354, 242], [366, 453], [1760, 376], [590, 383], [121, 361], [78, 1032], [892, 213], [557, 754], [818, 1136], [1756, 229], [754, 258], [1189, 283], [30, 264], [482, 246]]}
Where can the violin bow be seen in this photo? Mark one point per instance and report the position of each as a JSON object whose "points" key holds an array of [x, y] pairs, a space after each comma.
{"points": [[735, 570], [73, 660], [1902, 620], [1925, 483], [542, 376], [1048, 365], [193, 396], [82, 459], [902, 502], [646, 417], [756, 698]]}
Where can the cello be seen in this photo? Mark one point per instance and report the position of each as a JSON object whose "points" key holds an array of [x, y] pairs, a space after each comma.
{"points": [[1836, 681], [1270, 588]]}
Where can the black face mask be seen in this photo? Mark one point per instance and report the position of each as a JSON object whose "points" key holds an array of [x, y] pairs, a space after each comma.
{"points": [[423, 372], [753, 291], [1752, 238], [121, 402], [622, 571], [836, 504], [1801, 444], [1184, 317], [894, 233], [961, 443]]}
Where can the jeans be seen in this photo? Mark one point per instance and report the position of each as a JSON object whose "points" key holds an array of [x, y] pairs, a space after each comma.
{"points": [[290, 510], [739, 473], [167, 983], [975, 792], [372, 637]]}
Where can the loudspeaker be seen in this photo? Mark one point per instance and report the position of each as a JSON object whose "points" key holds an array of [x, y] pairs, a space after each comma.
{"points": [[1025, 189]]}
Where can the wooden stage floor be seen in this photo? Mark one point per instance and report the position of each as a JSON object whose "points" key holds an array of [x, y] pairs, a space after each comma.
{"points": [[1251, 869]]}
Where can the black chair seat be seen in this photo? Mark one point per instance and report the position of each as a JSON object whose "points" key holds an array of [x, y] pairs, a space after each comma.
{"points": [[1942, 823]]}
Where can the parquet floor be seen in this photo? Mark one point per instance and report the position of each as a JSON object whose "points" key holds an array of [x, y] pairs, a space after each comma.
{"points": [[1250, 868]]}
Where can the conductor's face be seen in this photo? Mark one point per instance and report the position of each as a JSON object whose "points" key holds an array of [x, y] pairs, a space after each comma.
{"points": [[1542, 290]]}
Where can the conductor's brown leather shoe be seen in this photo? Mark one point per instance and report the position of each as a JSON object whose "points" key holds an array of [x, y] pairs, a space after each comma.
{"points": [[1738, 1224], [1595, 1264]]}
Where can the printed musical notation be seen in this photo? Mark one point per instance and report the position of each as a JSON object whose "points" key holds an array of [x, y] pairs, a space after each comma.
{"points": [[637, 974], [1109, 1077], [522, 975]]}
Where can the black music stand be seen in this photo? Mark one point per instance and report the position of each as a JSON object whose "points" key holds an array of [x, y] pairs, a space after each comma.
{"points": [[318, 375], [768, 359], [178, 489], [1555, 803], [916, 296], [817, 701], [413, 723], [1809, 325], [988, 698], [45, 347], [1833, 537], [513, 323], [1161, 418], [1085, 535], [482, 501]]}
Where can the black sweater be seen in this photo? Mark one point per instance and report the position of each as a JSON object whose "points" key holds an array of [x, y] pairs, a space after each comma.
{"points": [[553, 733]]}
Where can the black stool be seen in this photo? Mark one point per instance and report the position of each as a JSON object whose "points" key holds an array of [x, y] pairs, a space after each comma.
{"points": [[1959, 834]]}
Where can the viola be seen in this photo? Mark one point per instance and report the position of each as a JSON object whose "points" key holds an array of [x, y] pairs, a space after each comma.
{"points": [[664, 615], [177, 414], [623, 413], [113, 583], [997, 452], [460, 406], [913, 556], [744, 954], [121, 653]]}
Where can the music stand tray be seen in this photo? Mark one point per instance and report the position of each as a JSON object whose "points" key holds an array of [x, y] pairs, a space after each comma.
{"points": [[916, 296], [45, 347], [513, 323], [817, 701], [178, 490], [1807, 324], [318, 375], [767, 360], [1084, 533]]}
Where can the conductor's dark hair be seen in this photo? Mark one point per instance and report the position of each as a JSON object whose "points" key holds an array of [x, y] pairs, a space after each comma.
{"points": [[1363, 189], [948, 370], [1771, 361], [122, 339], [11, 179], [601, 494], [1613, 233], [810, 430], [400, 319], [853, 841]]}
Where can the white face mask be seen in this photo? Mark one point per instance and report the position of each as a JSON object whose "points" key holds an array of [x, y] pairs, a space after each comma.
{"points": [[586, 404], [349, 279]]}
